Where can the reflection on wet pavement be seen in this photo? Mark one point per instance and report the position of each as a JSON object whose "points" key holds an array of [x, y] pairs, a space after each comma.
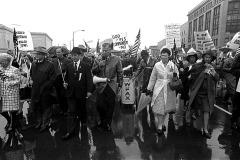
{"points": [[132, 137]]}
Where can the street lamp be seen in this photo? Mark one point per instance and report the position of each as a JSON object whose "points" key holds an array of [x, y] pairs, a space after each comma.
{"points": [[76, 32]]}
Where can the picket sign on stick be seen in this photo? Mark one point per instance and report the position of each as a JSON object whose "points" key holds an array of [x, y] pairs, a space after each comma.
{"points": [[120, 41]]}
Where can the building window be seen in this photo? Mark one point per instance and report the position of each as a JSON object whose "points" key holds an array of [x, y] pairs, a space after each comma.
{"points": [[215, 41], [208, 21], [190, 32], [216, 15], [233, 17], [200, 23], [8, 44], [194, 27]]}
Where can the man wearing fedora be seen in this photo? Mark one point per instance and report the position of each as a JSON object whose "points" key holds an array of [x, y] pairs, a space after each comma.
{"points": [[146, 66], [110, 67], [43, 76], [79, 84], [85, 58]]}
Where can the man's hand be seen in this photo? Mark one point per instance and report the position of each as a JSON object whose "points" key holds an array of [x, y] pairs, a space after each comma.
{"points": [[65, 85], [88, 94]]}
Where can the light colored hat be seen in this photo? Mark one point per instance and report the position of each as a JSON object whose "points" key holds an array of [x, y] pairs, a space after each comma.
{"points": [[166, 49], [191, 51]]}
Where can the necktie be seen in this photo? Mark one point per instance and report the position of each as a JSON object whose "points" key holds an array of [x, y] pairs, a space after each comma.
{"points": [[75, 66]]}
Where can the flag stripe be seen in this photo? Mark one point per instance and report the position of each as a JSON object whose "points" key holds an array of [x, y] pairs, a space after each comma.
{"points": [[17, 54], [136, 45]]}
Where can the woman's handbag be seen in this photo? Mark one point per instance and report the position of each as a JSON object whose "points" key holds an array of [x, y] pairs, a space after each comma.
{"points": [[176, 83]]}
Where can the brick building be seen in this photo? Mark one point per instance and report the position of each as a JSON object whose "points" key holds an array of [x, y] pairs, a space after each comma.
{"points": [[220, 17]]}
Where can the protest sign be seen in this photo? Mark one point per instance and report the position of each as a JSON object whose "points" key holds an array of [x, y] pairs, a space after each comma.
{"points": [[128, 94], [203, 41], [120, 41], [24, 38], [235, 42], [172, 31]]}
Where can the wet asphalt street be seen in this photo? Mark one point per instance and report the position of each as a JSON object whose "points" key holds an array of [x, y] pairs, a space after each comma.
{"points": [[132, 138]]}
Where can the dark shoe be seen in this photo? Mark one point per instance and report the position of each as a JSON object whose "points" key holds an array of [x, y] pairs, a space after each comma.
{"points": [[43, 129], [194, 116], [234, 125], [107, 128], [38, 126], [84, 125], [9, 130], [207, 135], [164, 128], [67, 136], [160, 132]]}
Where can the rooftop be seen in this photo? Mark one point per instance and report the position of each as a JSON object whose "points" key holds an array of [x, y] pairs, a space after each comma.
{"points": [[41, 33], [199, 5]]}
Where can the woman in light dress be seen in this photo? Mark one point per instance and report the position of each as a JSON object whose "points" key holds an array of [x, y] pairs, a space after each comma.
{"points": [[163, 99]]}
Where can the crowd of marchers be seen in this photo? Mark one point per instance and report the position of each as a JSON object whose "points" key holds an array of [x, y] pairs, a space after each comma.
{"points": [[45, 80]]}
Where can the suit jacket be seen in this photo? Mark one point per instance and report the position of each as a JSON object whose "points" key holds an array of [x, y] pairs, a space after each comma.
{"points": [[147, 70], [63, 62], [80, 82], [112, 70]]}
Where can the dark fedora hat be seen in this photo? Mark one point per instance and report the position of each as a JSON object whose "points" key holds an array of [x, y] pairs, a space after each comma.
{"points": [[211, 53], [144, 53], [76, 50], [40, 49]]}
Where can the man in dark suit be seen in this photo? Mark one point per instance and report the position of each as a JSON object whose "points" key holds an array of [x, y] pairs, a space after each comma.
{"points": [[60, 64], [79, 87], [110, 67]]}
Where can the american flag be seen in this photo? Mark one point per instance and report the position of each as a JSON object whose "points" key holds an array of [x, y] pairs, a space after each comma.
{"points": [[135, 47], [87, 46], [98, 47], [17, 55]]}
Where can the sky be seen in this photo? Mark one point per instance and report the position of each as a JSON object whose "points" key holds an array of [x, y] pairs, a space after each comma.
{"points": [[99, 18]]}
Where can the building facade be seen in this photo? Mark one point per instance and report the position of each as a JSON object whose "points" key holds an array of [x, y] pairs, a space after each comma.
{"points": [[184, 34], [220, 17], [41, 39], [6, 39]]}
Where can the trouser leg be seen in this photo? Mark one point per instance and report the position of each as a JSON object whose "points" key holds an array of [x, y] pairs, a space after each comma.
{"points": [[72, 115], [47, 114], [82, 110], [38, 112], [236, 106], [110, 105]]}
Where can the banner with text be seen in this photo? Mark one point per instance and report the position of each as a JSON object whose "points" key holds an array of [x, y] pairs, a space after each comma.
{"points": [[235, 42], [172, 31], [203, 41], [24, 37], [120, 41]]}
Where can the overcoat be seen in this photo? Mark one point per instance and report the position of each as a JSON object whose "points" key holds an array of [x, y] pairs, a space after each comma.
{"points": [[163, 99], [197, 75]]}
